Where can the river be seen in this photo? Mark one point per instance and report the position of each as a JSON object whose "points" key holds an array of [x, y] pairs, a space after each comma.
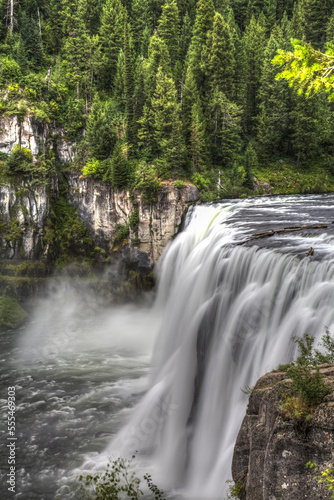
{"points": [[165, 377]]}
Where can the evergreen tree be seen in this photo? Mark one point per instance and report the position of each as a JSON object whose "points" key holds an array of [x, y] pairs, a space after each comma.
{"points": [[111, 40], [203, 24], [129, 86], [223, 127], [315, 14], [169, 28], [164, 110], [119, 166], [218, 59], [198, 139], [251, 164], [275, 103], [255, 40], [99, 133], [185, 36], [141, 23]]}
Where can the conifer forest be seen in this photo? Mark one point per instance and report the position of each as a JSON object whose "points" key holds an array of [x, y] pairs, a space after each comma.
{"points": [[151, 90]]}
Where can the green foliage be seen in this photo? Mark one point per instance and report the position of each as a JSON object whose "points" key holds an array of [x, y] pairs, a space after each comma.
{"points": [[134, 219], [65, 232], [118, 481], [186, 85], [94, 168], [147, 182], [308, 388], [201, 182], [179, 184], [235, 490], [325, 477], [119, 166], [122, 233], [308, 69], [11, 313]]}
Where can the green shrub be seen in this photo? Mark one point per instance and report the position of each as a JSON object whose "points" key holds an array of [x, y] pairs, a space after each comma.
{"points": [[118, 481], [235, 490], [308, 388], [179, 184], [10, 71], [147, 182], [134, 219], [122, 232], [94, 168], [202, 183], [325, 477]]}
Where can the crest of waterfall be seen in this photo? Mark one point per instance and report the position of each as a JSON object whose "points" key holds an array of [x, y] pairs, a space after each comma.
{"points": [[229, 313]]}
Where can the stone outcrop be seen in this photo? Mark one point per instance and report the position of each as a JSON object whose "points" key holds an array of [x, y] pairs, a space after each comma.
{"points": [[102, 209], [35, 136], [23, 213], [271, 451]]}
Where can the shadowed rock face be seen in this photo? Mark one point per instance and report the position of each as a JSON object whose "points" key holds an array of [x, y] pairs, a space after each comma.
{"points": [[271, 452]]}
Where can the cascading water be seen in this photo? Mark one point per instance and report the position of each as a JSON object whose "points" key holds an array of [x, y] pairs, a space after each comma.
{"points": [[224, 315], [228, 315]]}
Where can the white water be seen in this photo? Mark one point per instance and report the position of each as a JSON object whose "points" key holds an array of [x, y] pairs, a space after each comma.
{"points": [[228, 315], [223, 316]]}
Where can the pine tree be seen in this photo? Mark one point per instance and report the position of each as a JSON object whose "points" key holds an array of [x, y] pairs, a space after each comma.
{"points": [[223, 126], [176, 153], [251, 164], [111, 40], [158, 56], [169, 28], [119, 166], [315, 14], [330, 29], [203, 24], [198, 139], [129, 86], [164, 109], [99, 133], [218, 59], [255, 40], [275, 103], [189, 96], [141, 24], [185, 36]]}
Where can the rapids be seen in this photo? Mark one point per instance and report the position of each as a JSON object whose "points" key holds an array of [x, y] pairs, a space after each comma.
{"points": [[165, 378]]}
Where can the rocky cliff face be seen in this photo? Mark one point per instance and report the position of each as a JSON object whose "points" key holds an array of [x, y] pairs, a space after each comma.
{"points": [[271, 452], [102, 209], [34, 136], [23, 213]]}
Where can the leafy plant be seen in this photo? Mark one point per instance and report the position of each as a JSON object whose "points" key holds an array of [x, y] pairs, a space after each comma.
{"points": [[147, 182], [118, 481], [308, 388], [179, 184], [122, 232], [325, 477]]}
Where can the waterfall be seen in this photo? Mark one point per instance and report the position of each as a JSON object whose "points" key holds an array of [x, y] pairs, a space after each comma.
{"points": [[228, 315]]}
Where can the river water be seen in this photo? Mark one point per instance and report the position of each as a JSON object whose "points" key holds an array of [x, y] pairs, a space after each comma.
{"points": [[165, 377]]}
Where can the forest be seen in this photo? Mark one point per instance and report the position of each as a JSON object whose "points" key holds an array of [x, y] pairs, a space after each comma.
{"points": [[151, 90]]}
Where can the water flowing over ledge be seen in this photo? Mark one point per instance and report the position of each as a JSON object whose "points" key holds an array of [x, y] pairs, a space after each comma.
{"points": [[228, 315]]}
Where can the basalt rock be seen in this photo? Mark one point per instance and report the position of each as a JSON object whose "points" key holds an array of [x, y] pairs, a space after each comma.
{"points": [[271, 451]]}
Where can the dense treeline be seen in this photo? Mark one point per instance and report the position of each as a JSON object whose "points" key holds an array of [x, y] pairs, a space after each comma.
{"points": [[175, 88]]}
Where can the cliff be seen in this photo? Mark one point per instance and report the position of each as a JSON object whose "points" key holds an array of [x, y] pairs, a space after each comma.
{"points": [[271, 451], [102, 209]]}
